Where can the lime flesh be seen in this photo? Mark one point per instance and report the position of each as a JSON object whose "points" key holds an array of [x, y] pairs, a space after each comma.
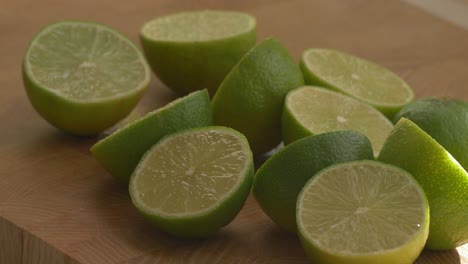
{"points": [[193, 182], [313, 110], [356, 77], [363, 212]]}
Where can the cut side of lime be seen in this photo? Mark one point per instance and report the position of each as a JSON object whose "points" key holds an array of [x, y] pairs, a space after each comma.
{"points": [[363, 212], [443, 179], [121, 151], [279, 180], [356, 77], [83, 77], [193, 182], [195, 50], [313, 110]]}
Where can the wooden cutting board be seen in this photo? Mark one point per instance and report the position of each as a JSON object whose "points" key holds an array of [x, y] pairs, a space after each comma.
{"points": [[57, 205]]}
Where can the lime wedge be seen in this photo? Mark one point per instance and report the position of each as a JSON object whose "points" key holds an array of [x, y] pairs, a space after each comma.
{"points": [[279, 180], [443, 179], [356, 77], [363, 212], [83, 77], [251, 97], [120, 152], [312, 110], [192, 183], [194, 50]]}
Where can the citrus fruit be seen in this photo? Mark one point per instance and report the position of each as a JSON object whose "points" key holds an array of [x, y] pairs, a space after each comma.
{"points": [[356, 77], [444, 181], [279, 180], [445, 120], [193, 182], [251, 97], [83, 77], [195, 50], [313, 110], [121, 151], [362, 212]]}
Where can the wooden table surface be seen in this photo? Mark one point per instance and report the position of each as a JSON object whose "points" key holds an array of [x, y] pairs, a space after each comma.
{"points": [[57, 205]]}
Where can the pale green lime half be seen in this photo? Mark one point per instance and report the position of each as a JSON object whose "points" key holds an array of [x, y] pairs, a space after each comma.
{"points": [[195, 50], [83, 77], [193, 182], [313, 110], [363, 212], [356, 77]]}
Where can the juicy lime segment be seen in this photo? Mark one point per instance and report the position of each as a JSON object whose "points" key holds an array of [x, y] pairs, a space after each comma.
{"points": [[194, 182], [279, 180], [356, 77], [363, 212], [443, 179], [83, 77], [120, 152], [204, 25], [312, 110]]}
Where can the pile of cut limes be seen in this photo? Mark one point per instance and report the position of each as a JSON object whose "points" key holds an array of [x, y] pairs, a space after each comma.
{"points": [[355, 187]]}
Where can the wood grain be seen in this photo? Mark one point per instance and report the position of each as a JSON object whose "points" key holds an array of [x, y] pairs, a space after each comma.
{"points": [[57, 205]]}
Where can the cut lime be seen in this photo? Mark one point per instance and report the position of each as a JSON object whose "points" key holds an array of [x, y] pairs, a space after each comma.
{"points": [[195, 50], [312, 110], [445, 120], [83, 77], [193, 182], [251, 97], [120, 152], [280, 179], [356, 77], [443, 179], [363, 212]]}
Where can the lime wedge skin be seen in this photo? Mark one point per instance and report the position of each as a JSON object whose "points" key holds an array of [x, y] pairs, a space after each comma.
{"points": [[443, 179], [279, 180], [120, 152], [208, 222], [251, 97]]}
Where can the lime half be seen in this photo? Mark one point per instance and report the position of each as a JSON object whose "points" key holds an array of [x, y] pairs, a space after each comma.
{"points": [[83, 77], [193, 182], [312, 110], [120, 152], [195, 50], [356, 77], [363, 212]]}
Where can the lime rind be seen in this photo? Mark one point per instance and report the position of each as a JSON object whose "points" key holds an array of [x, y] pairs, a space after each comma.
{"points": [[251, 97], [279, 180], [204, 222], [120, 152], [406, 253], [358, 78], [443, 179], [138, 88]]}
